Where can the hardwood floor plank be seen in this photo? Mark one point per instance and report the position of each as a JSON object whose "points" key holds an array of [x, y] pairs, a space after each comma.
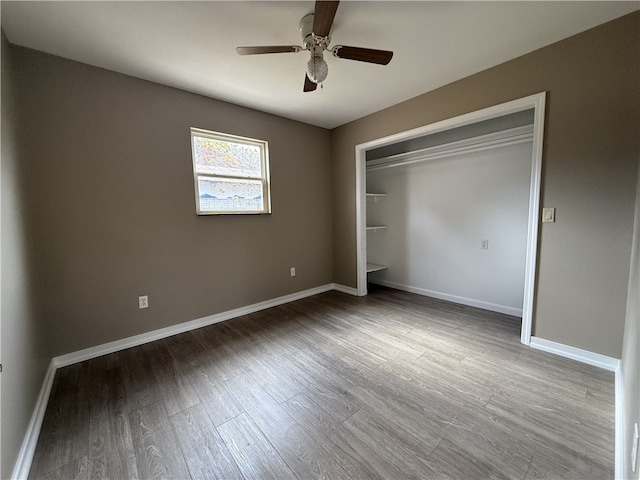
{"points": [[205, 452], [140, 384], [296, 447], [76, 470], [451, 461], [562, 422], [107, 393], [392, 392], [355, 457], [176, 391], [253, 453], [157, 449], [320, 336], [270, 328], [305, 457], [473, 442], [461, 389], [555, 461], [265, 412], [111, 451], [210, 390], [520, 376], [338, 401], [395, 446], [65, 429], [429, 428], [388, 386], [264, 362], [267, 372], [217, 359]]}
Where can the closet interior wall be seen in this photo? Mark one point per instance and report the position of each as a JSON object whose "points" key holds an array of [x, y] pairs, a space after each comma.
{"points": [[455, 223]]}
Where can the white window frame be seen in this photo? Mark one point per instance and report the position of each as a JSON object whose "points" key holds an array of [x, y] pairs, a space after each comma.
{"points": [[264, 166]]}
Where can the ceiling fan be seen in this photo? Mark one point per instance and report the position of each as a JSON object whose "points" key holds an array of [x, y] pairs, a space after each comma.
{"points": [[315, 29]]}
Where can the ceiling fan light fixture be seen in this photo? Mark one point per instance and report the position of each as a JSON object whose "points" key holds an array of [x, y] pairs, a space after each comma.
{"points": [[315, 30], [317, 68]]}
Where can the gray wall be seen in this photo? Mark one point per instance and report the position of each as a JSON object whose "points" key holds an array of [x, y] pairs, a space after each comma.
{"points": [[589, 173], [631, 347], [108, 159], [25, 353], [105, 160]]}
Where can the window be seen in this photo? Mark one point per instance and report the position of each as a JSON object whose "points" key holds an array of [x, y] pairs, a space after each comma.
{"points": [[231, 174]]}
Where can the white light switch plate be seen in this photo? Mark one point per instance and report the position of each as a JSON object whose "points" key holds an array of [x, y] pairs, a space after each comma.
{"points": [[548, 215]]}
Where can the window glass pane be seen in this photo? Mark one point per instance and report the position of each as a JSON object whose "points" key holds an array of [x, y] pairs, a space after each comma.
{"points": [[219, 157], [228, 195]]}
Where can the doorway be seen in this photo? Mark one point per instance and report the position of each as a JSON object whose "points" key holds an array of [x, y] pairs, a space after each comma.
{"points": [[535, 103]]}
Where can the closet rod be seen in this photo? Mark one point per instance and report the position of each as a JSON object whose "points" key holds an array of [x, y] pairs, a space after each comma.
{"points": [[471, 145]]}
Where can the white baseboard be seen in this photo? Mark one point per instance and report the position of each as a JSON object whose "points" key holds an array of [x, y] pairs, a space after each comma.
{"points": [[619, 426], [28, 448], [134, 341], [25, 457], [607, 363], [494, 307], [345, 289], [584, 356]]}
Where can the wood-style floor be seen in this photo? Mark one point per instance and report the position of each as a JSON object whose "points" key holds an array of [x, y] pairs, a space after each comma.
{"points": [[388, 386]]}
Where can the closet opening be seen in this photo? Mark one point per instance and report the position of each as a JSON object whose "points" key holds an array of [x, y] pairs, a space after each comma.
{"points": [[451, 209]]}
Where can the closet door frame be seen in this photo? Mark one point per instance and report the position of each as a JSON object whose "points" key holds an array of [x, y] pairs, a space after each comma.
{"points": [[534, 102]]}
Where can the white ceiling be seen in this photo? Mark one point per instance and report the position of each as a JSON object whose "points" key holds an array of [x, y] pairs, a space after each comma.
{"points": [[191, 45]]}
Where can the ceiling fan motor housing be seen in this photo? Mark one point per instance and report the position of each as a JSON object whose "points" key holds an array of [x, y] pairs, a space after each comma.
{"points": [[315, 29], [309, 40]]}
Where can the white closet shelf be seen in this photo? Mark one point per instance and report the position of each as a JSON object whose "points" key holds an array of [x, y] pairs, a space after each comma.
{"points": [[373, 228], [372, 267], [374, 197]]}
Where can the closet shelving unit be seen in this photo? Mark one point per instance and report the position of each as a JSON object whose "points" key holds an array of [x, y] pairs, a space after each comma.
{"points": [[373, 267]]}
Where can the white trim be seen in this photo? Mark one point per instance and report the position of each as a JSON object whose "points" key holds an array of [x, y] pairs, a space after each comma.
{"points": [[458, 152], [494, 307], [619, 426], [535, 102], [28, 448], [534, 215], [361, 221], [607, 363], [468, 146], [345, 289], [578, 354], [134, 341]]}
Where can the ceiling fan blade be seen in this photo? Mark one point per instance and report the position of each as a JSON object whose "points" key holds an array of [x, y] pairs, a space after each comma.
{"points": [[323, 17], [369, 55], [309, 86], [269, 49]]}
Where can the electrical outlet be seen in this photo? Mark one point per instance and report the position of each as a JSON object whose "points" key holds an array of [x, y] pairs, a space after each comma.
{"points": [[634, 448], [143, 301], [484, 244], [293, 271]]}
